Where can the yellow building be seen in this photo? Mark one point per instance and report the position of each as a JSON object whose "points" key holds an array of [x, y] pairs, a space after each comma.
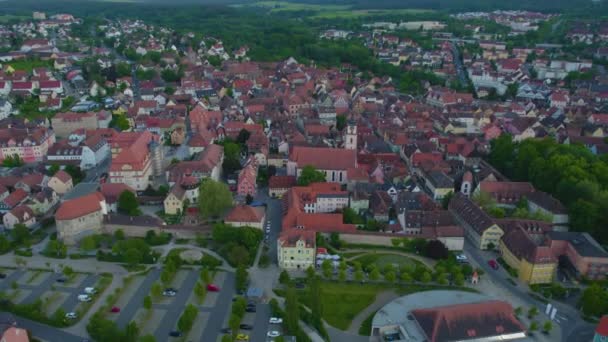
{"points": [[296, 249], [478, 225], [535, 264]]}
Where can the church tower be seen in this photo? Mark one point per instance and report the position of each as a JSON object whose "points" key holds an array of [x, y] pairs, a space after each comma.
{"points": [[350, 139]]}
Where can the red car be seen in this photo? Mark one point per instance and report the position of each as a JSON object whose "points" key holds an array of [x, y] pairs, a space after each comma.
{"points": [[115, 309], [213, 288], [493, 264]]}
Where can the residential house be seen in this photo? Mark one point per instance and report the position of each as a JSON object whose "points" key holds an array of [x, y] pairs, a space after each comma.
{"points": [[182, 194], [534, 262], [246, 216], [438, 183], [278, 185], [19, 215], [79, 217], [111, 192], [31, 145], [66, 123], [247, 182], [61, 182], [13, 199], [478, 225], [380, 204], [296, 249], [542, 202], [42, 202]]}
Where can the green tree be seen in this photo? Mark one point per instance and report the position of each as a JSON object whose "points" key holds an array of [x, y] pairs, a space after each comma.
{"points": [[284, 278], [374, 274], [5, 245], [426, 278], [119, 235], [20, 234], [239, 255], [594, 301], [406, 277], [241, 278], [459, 279], [533, 326], [88, 243], [148, 302], [390, 276], [187, 318], [359, 275], [133, 256], [445, 201], [120, 122], [156, 290], [310, 175], [340, 122], [316, 305], [547, 327], [233, 322], [205, 276], [68, 271], [127, 203], [292, 310], [53, 169], [310, 273], [532, 312], [214, 198], [200, 290], [327, 268], [147, 338]]}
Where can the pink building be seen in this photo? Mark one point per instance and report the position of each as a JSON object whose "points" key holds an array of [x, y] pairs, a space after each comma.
{"points": [[247, 179], [579, 253]]}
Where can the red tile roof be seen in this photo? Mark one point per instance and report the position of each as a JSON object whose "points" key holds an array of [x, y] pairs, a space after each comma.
{"points": [[15, 198], [281, 182], [245, 213], [111, 191], [290, 237], [468, 321], [324, 158], [63, 176], [79, 207], [602, 327]]}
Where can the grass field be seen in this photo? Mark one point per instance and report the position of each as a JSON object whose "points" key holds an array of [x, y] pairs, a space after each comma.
{"points": [[328, 11], [29, 64], [342, 302], [383, 259], [366, 326]]}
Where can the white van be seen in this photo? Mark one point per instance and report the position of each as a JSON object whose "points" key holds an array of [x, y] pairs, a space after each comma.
{"points": [[90, 290], [84, 298]]}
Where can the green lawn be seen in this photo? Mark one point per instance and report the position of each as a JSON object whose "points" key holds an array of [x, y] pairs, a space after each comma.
{"points": [[328, 11], [29, 64], [383, 259], [366, 326], [342, 301]]}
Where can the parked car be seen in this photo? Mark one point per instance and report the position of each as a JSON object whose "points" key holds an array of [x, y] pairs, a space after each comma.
{"points": [[493, 264], [226, 331], [246, 326], [274, 333], [275, 320], [2, 275], [250, 309], [461, 258], [90, 290], [175, 333], [115, 309], [70, 315], [84, 298], [61, 280], [242, 337], [169, 293], [213, 288]]}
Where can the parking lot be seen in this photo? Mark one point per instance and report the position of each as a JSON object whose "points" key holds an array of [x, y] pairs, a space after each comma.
{"points": [[213, 315], [55, 290]]}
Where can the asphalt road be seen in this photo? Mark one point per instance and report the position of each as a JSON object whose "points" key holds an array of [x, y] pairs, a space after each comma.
{"points": [[220, 311], [128, 312], [176, 307], [274, 214], [260, 325], [46, 332]]}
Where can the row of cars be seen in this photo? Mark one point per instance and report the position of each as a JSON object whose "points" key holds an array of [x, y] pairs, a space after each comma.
{"points": [[87, 296], [245, 337]]}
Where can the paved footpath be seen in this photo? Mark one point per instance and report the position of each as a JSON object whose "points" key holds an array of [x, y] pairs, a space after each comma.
{"points": [[382, 299]]}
